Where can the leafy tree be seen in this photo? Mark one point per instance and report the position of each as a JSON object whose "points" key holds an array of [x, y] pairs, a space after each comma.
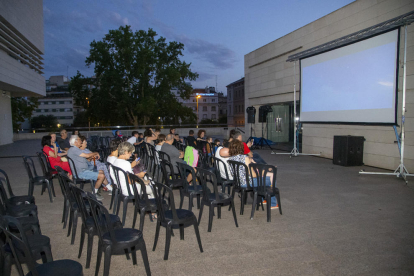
{"points": [[134, 74], [45, 121], [223, 120], [22, 109], [207, 121]]}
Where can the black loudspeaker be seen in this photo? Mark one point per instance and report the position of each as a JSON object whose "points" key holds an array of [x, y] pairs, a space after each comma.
{"points": [[348, 150], [263, 111], [251, 115]]}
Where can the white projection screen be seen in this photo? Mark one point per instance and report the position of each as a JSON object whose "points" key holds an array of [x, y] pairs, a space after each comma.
{"points": [[355, 84]]}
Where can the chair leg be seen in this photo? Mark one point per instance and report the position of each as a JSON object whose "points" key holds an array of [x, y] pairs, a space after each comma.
{"points": [[98, 259], [198, 201], [157, 233], [190, 202], [135, 216], [181, 232], [125, 206], [200, 213], [112, 199], [107, 260], [278, 202], [167, 242], [142, 220], [234, 212], [181, 200], [219, 211], [198, 236], [269, 214], [134, 255], [82, 240], [30, 188], [93, 186], [48, 254], [210, 218], [49, 190], [145, 256], [74, 226], [66, 213], [118, 206], [242, 203], [89, 250], [53, 187], [70, 222], [254, 205], [116, 199]]}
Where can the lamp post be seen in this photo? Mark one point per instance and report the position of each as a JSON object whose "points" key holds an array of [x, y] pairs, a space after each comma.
{"points": [[89, 118], [198, 97]]}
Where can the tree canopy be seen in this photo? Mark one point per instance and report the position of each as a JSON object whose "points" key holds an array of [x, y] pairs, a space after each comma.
{"points": [[22, 109], [49, 122], [134, 75]]}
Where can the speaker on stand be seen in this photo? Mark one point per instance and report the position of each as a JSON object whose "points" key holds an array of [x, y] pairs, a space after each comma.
{"points": [[263, 111], [251, 118]]}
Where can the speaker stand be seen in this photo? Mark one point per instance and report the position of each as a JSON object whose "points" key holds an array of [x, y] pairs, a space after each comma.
{"points": [[251, 133]]}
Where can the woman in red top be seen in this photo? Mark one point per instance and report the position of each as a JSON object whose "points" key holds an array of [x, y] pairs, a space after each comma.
{"points": [[51, 151]]}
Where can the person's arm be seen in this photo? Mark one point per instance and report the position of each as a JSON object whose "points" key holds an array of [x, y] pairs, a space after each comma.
{"points": [[52, 152], [250, 154], [90, 155]]}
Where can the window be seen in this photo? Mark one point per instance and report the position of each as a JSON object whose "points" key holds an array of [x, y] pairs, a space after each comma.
{"points": [[68, 102], [213, 116], [45, 110], [204, 100], [52, 102], [221, 112], [193, 101], [68, 109], [213, 108], [42, 102], [62, 102], [38, 110], [230, 109], [62, 110], [213, 100], [204, 116], [204, 108], [54, 110]]}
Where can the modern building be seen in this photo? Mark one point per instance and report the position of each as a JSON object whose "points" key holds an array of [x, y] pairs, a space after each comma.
{"points": [[207, 100], [235, 103], [21, 50], [269, 80]]}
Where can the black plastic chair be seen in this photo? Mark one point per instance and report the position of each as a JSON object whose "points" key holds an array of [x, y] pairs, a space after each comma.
{"points": [[12, 199], [164, 156], [115, 241], [172, 218], [77, 179], [263, 191], [35, 179], [188, 190], [39, 244], [61, 267], [223, 182], [22, 210], [88, 224], [115, 189], [143, 203], [66, 202], [215, 199], [171, 179], [235, 170], [125, 199], [45, 164]]}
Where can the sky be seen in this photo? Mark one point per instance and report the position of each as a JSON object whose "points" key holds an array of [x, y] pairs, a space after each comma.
{"points": [[216, 34]]}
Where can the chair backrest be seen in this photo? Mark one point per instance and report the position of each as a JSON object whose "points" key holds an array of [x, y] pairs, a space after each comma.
{"points": [[262, 171], [3, 198], [25, 253], [237, 169], [184, 171], [101, 218], [143, 196], [119, 174], [205, 177], [159, 191], [62, 183], [72, 167], [3, 175], [80, 197], [109, 166], [45, 163], [164, 156], [218, 164], [30, 167]]}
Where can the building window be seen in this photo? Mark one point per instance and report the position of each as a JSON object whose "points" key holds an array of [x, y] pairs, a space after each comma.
{"points": [[38, 110], [54, 110], [213, 116], [193, 101], [204, 116], [45, 110], [62, 102], [52, 102], [213, 100], [213, 108], [204, 108], [68, 109], [68, 102], [229, 109], [62, 110], [42, 103], [204, 100]]}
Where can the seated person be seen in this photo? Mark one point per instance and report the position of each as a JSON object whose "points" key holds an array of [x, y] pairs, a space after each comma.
{"points": [[117, 134], [217, 142], [84, 170], [76, 132], [114, 150], [222, 153], [134, 139], [256, 157], [191, 141], [227, 142], [63, 140], [150, 136], [99, 165], [209, 146], [236, 152], [175, 154], [161, 141], [140, 137], [59, 150], [51, 151], [125, 150]]}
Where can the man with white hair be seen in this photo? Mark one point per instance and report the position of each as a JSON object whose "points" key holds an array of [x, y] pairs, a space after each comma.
{"points": [[84, 170]]}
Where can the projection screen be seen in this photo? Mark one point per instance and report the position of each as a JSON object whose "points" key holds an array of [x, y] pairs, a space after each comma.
{"points": [[353, 84]]}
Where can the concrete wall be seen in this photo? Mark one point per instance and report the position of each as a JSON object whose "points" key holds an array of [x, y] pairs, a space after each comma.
{"points": [[269, 79], [6, 127]]}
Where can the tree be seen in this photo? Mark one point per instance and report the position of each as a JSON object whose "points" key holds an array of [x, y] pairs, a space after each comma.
{"points": [[134, 74], [22, 109], [207, 122], [223, 120], [49, 122]]}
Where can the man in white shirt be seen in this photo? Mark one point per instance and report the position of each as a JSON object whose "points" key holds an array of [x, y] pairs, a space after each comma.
{"points": [[222, 153], [134, 139]]}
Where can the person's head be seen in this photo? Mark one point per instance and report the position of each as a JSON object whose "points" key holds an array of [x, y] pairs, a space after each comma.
{"points": [[74, 141], [63, 134], [125, 150], [236, 147], [172, 130], [224, 152], [169, 139], [209, 139], [157, 132], [53, 135], [217, 142], [232, 133], [135, 133], [141, 135], [237, 135], [201, 133], [46, 140], [114, 144], [177, 137], [148, 133], [191, 132], [161, 139], [76, 132], [116, 132], [84, 142]]}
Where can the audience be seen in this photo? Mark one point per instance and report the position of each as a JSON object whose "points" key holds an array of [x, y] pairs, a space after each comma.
{"points": [[63, 140], [191, 141], [51, 151], [173, 152], [222, 153], [161, 141], [217, 142], [76, 132], [134, 139], [55, 144], [209, 146], [84, 170], [150, 136], [114, 150], [256, 157]]}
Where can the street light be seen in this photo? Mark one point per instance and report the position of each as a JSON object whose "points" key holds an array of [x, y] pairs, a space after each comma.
{"points": [[198, 97]]}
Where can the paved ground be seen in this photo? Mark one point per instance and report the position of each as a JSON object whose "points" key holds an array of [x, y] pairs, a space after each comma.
{"points": [[334, 222]]}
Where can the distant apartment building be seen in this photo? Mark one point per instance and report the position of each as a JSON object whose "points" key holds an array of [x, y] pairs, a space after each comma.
{"points": [[58, 101], [208, 102], [21, 50], [235, 103], [222, 105]]}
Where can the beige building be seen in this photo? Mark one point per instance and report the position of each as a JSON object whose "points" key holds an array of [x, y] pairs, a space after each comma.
{"points": [[21, 50], [269, 79]]}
